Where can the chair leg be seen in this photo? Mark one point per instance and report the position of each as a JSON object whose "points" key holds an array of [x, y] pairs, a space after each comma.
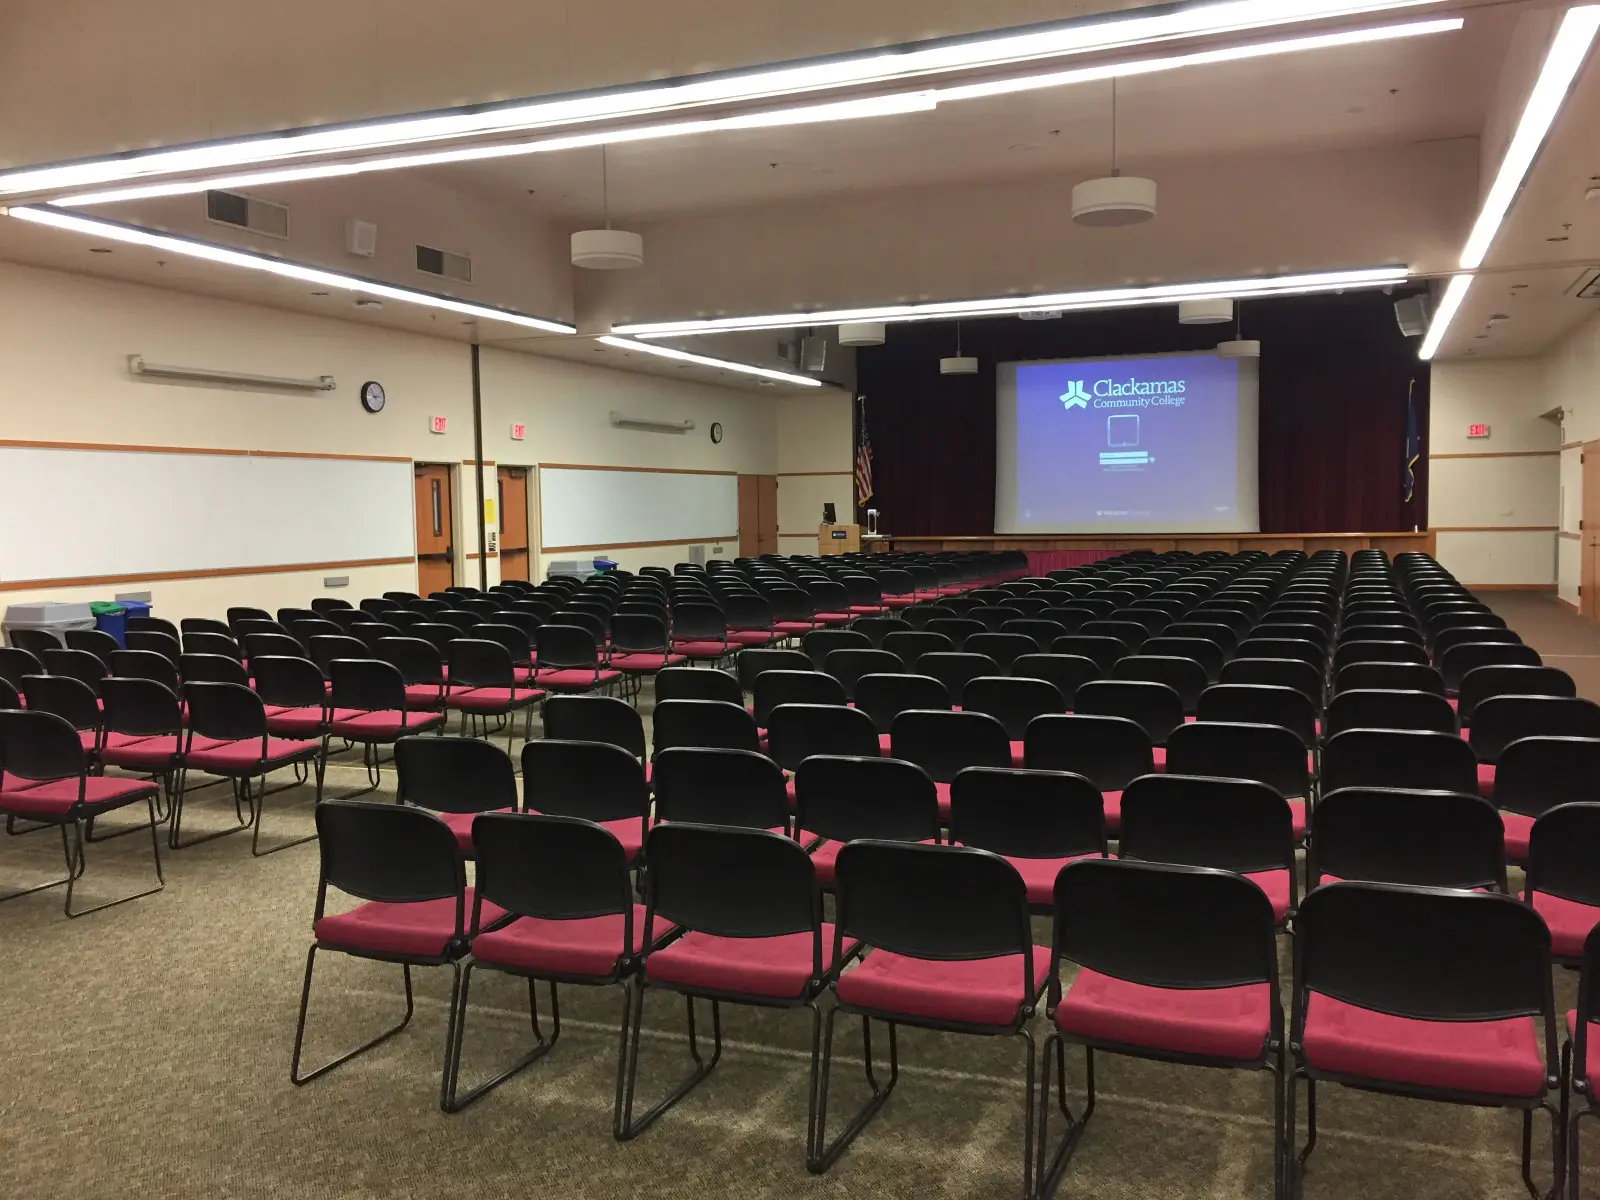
{"points": [[452, 1102], [1557, 1134], [76, 863], [174, 839], [66, 849], [1049, 1173], [823, 1154], [626, 1127], [300, 1027], [1570, 1150], [259, 807]]}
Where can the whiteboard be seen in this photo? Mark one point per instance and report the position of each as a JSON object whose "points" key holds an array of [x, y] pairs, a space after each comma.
{"points": [[72, 514], [591, 508]]}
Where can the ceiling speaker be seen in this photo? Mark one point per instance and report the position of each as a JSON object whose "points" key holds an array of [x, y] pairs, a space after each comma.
{"points": [[1414, 313]]}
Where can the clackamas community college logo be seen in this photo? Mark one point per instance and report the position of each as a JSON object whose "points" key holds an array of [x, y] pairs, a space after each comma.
{"points": [[1075, 396]]}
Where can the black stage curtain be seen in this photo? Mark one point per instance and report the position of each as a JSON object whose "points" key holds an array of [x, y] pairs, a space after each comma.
{"points": [[1335, 371]]}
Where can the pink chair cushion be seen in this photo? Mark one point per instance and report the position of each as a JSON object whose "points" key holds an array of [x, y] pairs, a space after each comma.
{"points": [[1493, 1057], [1232, 1023], [1016, 754], [1276, 885], [586, 946], [570, 678], [382, 726], [235, 757], [143, 754], [832, 618], [792, 627], [883, 743], [1039, 874], [646, 662], [421, 929], [424, 695], [1569, 922], [58, 797], [1111, 804], [1486, 780], [701, 649], [983, 991], [627, 830], [779, 967], [295, 722], [1297, 818], [1158, 757], [461, 825], [492, 699], [942, 790], [1518, 829], [752, 637]]}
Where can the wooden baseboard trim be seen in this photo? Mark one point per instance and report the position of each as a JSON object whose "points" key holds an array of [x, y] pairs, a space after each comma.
{"points": [[1569, 606], [22, 585], [730, 537], [1510, 587]]}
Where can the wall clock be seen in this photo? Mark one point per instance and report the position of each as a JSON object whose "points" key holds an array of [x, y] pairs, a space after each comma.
{"points": [[716, 431], [373, 397]]}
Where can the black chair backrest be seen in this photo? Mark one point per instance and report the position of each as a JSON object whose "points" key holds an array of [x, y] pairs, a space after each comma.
{"points": [[1184, 676], [592, 780], [216, 643], [1384, 676], [66, 697], [1364, 709], [1563, 849], [367, 685], [35, 641], [389, 853], [806, 686], [757, 660], [1396, 758], [697, 683], [1260, 704], [1423, 838], [213, 668], [719, 787], [943, 743], [140, 707], [878, 628], [1110, 752], [945, 903], [476, 663], [819, 643], [957, 629], [552, 868], [453, 774], [1480, 683], [1157, 708], [93, 641], [1455, 662], [796, 732], [1013, 702], [1501, 720], [741, 883], [1205, 821], [229, 712], [1027, 814], [1101, 650], [155, 625], [1068, 672], [956, 669], [703, 723], [845, 798], [288, 682], [143, 664], [910, 645], [1163, 925], [595, 719], [1269, 754], [1535, 774], [75, 664], [849, 665], [326, 648], [884, 697], [1278, 672], [417, 660]]}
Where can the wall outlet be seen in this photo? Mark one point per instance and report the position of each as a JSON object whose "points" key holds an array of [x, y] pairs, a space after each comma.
{"points": [[333, 581]]}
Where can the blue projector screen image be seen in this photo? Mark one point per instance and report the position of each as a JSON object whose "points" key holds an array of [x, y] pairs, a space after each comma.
{"points": [[1163, 443]]}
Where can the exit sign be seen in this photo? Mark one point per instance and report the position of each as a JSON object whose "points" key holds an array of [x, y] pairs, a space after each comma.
{"points": [[518, 432], [436, 424], [1477, 431]]}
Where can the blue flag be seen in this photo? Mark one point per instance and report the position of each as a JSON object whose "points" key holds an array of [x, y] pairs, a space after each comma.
{"points": [[1413, 443]]}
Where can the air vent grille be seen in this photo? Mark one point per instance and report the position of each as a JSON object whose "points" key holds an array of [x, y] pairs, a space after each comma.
{"points": [[442, 263], [246, 212]]}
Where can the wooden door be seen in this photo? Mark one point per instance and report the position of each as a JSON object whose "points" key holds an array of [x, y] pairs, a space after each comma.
{"points": [[758, 515], [513, 522], [1588, 585], [435, 528]]}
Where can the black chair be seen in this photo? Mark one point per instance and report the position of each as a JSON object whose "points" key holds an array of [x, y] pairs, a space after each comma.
{"points": [[1480, 683], [884, 697], [1575, 1061], [820, 643], [1376, 651], [216, 643], [45, 780], [1003, 648], [700, 632], [911, 644], [483, 684], [1291, 648], [155, 625], [1184, 676], [1364, 709], [751, 664], [957, 629], [295, 694], [1269, 754], [570, 660], [1446, 640], [1383, 676], [93, 641], [844, 799], [1176, 964], [17, 664], [403, 864], [595, 719], [454, 778], [1417, 838], [1423, 992], [1501, 720], [367, 707], [703, 723], [849, 665], [1110, 752], [955, 670], [324, 650], [1534, 775], [421, 667], [1207, 653], [35, 641], [1458, 660], [1236, 825], [1395, 758], [876, 629], [202, 625], [689, 683], [794, 687], [145, 664], [1157, 708], [592, 781], [1038, 821], [951, 949], [1562, 878], [796, 732], [217, 668], [1068, 672], [945, 743], [1260, 704], [1102, 651], [741, 898], [641, 645], [1278, 672], [1014, 703], [87, 668]]}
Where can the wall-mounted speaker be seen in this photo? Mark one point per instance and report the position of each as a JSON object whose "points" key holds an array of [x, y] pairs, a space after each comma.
{"points": [[1414, 313]]}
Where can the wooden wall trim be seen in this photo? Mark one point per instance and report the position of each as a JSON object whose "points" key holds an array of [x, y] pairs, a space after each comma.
{"points": [[1576, 537], [798, 474], [636, 470], [120, 448], [1496, 528], [726, 537], [1500, 454], [18, 585], [1509, 587], [1569, 606]]}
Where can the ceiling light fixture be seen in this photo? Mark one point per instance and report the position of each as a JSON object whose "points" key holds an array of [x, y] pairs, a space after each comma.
{"points": [[365, 288], [703, 360], [960, 364], [1131, 297], [1568, 50], [1115, 199], [607, 249], [1079, 36]]}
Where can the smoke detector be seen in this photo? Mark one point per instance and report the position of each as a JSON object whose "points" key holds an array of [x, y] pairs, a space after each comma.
{"points": [[862, 333], [1205, 312], [606, 249]]}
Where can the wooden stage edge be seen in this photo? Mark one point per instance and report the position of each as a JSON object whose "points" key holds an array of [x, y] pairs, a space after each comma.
{"points": [[1390, 543]]}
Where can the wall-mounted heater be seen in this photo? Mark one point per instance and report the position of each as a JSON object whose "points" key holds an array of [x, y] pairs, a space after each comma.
{"points": [[138, 366], [624, 421]]}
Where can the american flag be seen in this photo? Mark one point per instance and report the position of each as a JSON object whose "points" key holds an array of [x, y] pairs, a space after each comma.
{"points": [[863, 458]]}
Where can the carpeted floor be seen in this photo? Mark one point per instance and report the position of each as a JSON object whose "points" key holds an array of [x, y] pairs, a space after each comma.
{"points": [[144, 1051]]}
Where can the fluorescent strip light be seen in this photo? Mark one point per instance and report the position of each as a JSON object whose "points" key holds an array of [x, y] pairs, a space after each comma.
{"points": [[1568, 50], [704, 361], [880, 66], [1274, 285], [877, 106], [132, 235]]}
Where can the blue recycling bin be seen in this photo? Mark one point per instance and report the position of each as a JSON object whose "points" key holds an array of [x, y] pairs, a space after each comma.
{"points": [[604, 564], [113, 618]]}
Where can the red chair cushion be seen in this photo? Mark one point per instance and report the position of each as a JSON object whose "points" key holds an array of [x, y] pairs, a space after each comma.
{"points": [[1518, 829], [424, 695], [982, 991], [58, 797], [627, 830], [646, 662], [381, 726], [1016, 754], [142, 754], [461, 825], [1569, 920], [701, 649], [1276, 885], [562, 677], [1232, 1023], [1486, 780], [1040, 875], [883, 743], [245, 757], [752, 637], [791, 627], [492, 700], [832, 618], [1158, 758], [295, 722], [942, 791], [1493, 1057], [1111, 804], [779, 967], [586, 946], [421, 929], [1297, 818]]}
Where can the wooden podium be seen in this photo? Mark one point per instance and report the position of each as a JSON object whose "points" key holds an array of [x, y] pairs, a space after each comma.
{"points": [[838, 539]]}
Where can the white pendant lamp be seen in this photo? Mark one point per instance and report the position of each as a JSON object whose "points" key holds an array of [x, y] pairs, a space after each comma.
{"points": [[1114, 199], [1205, 312], [606, 249], [862, 333], [960, 364], [1239, 346]]}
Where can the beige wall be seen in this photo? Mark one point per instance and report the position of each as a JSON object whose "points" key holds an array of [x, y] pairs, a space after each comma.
{"points": [[1573, 385], [815, 466], [64, 340], [1496, 501]]}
